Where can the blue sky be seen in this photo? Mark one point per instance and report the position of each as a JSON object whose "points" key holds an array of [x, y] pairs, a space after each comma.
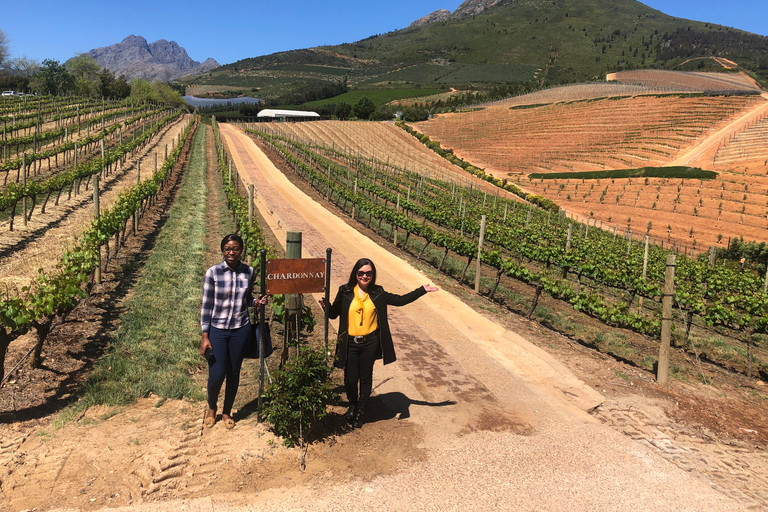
{"points": [[234, 30]]}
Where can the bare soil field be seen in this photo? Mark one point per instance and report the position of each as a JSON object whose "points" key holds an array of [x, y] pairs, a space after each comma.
{"points": [[583, 135], [576, 92]]}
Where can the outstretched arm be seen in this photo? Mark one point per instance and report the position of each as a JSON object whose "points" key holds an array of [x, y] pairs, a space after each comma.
{"points": [[402, 300]]}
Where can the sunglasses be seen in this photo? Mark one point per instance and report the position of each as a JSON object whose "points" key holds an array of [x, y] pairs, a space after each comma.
{"points": [[231, 250], [368, 273]]}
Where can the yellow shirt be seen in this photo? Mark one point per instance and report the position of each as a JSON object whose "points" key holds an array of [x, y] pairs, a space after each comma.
{"points": [[362, 315]]}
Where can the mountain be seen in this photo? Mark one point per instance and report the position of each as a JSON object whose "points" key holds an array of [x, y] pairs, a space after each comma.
{"points": [[439, 15], [472, 7], [488, 42], [162, 60]]}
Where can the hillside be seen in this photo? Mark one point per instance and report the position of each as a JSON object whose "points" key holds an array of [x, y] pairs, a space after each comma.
{"points": [[529, 41]]}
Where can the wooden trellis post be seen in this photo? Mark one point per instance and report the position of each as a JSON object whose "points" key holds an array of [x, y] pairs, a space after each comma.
{"points": [[662, 372], [96, 215], [479, 252]]}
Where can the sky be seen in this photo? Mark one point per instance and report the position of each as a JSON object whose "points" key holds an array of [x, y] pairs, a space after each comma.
{"points": [[238, 29]]}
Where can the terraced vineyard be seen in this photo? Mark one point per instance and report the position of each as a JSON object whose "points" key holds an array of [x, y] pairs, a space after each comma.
{"points": [[578, 92], [582, 135], [688, 81], [625, 133], [694, 214], [746, 147]]}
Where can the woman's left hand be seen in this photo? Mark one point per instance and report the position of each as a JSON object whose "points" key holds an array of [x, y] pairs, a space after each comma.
{"points": [[430, 288], [260, 300]]}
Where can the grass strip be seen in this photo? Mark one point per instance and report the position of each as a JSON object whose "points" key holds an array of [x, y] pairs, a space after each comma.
{"points": [[157, 343], [679, 171]]}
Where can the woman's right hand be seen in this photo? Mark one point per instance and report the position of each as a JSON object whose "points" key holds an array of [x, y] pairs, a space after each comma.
{"points": [[322, 302], [205, 344]]}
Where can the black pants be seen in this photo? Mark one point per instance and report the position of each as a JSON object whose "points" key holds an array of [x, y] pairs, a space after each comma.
{"points": [[359, 370], [229, 346]]}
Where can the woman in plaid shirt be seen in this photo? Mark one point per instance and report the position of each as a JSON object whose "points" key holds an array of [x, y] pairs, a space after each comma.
{"points": [[226, 325]]}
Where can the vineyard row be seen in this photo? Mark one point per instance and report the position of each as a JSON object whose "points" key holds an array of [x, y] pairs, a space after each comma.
{"points": [[53, 295]]}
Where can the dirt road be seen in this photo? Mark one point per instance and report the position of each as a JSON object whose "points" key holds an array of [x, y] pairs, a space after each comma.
{"points": [[504, 425]]}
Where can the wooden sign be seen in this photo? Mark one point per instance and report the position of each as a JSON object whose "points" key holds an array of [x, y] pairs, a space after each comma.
{"points": [[296, 276]]}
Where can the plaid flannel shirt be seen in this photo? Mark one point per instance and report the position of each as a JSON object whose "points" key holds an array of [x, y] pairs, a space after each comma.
{"points": [[227, 296]]}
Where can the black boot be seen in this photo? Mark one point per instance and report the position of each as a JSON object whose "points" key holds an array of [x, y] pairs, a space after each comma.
{"points": [[357, 420], [350, 414]]}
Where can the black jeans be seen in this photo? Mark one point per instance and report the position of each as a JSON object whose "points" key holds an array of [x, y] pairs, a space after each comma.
{"points": [[359, 370]]}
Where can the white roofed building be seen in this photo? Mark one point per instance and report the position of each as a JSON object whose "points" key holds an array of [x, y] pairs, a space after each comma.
{"points": [[288, 114]]}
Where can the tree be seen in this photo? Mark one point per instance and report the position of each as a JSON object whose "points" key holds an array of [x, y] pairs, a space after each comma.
{"points": [[343, 110], [364, 108], [142, 90], [24, 67], [53, 78], [83, 66], [111, 87], [415, 114], [85, 72], [164, 93], [4, 52]]}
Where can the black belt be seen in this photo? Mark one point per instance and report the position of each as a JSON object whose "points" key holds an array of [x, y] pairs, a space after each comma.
{"points": [[362, 339]]}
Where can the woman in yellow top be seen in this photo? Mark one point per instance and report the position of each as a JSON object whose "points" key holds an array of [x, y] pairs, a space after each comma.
{"points": [[364, 332]]}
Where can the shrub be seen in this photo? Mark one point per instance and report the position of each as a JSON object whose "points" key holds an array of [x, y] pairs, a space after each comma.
{"points": [[299, 395]]}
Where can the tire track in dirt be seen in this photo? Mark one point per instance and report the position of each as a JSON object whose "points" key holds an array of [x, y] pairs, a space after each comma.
{"points": [[737, 469]]}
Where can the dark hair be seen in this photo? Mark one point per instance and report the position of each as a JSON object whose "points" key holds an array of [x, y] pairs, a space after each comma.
{"points": [[353, 275], [233, 237]]}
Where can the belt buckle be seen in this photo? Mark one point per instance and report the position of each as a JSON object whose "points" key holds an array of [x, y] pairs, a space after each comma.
{"points": [[358, 339]]}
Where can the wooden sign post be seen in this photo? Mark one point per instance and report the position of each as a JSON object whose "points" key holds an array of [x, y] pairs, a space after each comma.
{"points": [[293, 276]]}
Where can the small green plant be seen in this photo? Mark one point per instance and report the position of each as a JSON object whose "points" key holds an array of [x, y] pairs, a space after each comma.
{"points": [[308, 320], [621, 374], [299, 395], [649, 363]]}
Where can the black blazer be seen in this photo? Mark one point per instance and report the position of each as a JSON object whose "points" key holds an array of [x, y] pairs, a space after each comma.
{"points": [[381, 299]]}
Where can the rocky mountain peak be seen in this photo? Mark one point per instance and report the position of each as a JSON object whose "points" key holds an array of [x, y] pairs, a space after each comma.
{"points": [[472, 7], [468, 8], [161, 60], [437, 16]]}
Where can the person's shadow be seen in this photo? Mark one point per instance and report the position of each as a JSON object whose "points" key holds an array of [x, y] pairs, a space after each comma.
{"points": [[396, 405]]}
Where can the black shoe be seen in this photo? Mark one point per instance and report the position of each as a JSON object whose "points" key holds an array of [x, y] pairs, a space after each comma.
{"points": [[350, 414], [357, 420]]}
